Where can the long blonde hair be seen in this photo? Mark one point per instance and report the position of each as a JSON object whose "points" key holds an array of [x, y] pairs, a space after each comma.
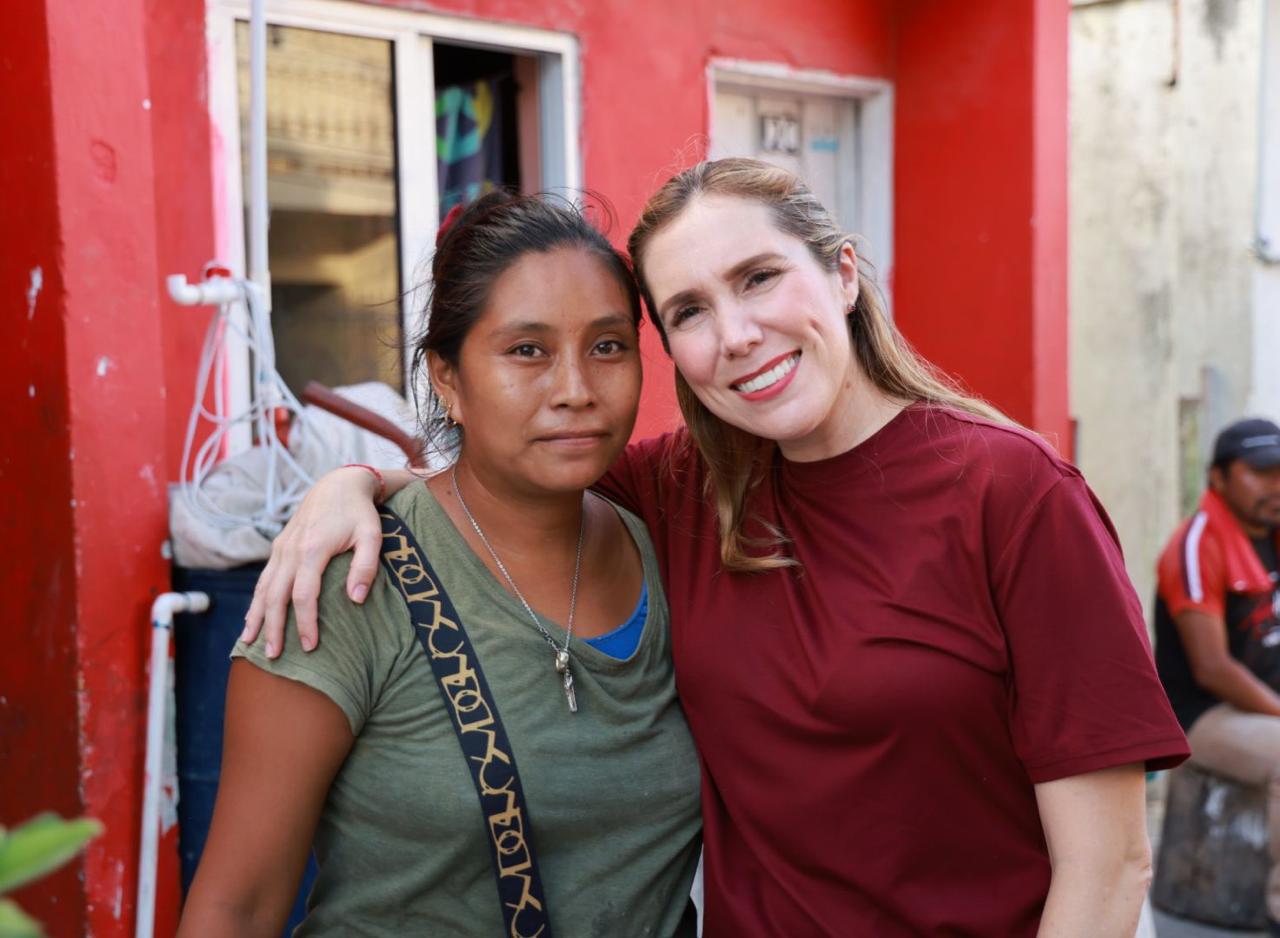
{"points": [[736, 460]]}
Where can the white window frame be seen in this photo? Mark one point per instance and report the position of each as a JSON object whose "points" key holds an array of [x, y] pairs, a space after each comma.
{"points": [[1267, 242], [875, 140], [1264, 395], [412, 34]]}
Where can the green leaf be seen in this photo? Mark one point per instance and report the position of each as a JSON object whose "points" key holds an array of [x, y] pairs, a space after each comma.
{"points": [[14, 923], [41, 845]]}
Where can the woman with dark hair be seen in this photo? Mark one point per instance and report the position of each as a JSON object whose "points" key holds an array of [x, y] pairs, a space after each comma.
{"points": [[501, 710], [917, 674]]}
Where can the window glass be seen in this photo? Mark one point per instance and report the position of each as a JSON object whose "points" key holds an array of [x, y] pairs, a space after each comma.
{"points": [[331, 184], [814, 136], [477, 123]]}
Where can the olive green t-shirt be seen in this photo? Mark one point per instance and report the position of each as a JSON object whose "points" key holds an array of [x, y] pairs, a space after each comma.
{"points": [[612, 790]]}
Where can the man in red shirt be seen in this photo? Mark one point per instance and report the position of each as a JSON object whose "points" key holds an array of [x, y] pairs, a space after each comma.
{"points": [[1218, 621]]}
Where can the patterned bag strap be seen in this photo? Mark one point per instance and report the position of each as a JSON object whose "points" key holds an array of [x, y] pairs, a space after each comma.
{"points": [[484, 742]]}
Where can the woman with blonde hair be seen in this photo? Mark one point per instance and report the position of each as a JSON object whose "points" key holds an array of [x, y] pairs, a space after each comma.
{"points": [[916, 673]]}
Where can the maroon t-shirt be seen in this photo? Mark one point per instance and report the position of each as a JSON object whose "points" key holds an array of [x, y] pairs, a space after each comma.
{"points": [[871, 724]]}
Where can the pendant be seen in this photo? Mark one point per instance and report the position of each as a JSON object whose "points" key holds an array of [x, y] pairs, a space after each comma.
{"points": [[562, 668]]}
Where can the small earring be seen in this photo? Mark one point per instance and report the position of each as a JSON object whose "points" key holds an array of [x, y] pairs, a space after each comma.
{"points": [[449, 422]]}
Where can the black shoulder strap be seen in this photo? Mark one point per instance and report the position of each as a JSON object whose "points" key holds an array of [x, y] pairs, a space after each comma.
{"points": [[484, 742]]}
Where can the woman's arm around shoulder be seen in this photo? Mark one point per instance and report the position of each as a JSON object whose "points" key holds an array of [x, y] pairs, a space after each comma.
{"points": [[276, 772], [336, 516], [339, 515]]}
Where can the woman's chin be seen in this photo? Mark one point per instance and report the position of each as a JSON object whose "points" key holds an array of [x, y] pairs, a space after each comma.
{"points": [[781, 424], [563, 479]]}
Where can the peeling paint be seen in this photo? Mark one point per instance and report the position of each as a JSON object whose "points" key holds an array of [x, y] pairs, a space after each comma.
{"points": [[1157, 278], [1219, 19], [84, 742], [33, 291], [31, 390], [104, 364], [103, 157], [148, 475], [169, 761], [146, 104]]}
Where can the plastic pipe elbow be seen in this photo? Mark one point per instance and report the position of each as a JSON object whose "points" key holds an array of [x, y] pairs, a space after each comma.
{"points": [[167, 605]]}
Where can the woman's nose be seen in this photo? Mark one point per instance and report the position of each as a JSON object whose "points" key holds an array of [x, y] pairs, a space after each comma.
{"points": [[739, 332], [572, 387]]}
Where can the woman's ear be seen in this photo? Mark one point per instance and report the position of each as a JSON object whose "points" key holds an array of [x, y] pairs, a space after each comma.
{"points": [[444, 381], [847, 268]]}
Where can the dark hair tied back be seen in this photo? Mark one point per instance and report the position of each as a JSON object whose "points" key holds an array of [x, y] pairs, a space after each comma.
{"points": [[473, 249]]}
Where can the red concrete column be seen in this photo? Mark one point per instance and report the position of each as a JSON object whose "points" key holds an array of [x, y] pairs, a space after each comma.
{"points": [[980, 189], [1052, 412], [38, 699], [84, 474], [115, 383], [181, 145]]}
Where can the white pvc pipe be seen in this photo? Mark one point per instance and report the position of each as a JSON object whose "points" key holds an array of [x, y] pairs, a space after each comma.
{"points": [[1266, 239], [163, 610], [216, 291], [258, 264]]}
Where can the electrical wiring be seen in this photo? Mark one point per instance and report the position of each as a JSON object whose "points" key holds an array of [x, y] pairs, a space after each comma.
{"points": [[284, 481]]}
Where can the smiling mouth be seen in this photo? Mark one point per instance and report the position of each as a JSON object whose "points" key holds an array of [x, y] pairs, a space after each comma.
{"points": [[771, 374]]}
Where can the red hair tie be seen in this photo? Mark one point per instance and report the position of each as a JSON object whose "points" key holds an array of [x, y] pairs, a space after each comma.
{"points": [[449, 219]]}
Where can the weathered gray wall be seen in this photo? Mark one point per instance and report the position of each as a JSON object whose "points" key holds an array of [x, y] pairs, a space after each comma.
{"points": [[1164, 124]]}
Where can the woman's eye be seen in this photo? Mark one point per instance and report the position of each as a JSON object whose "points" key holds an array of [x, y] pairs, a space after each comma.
{"points": [[683, 314], [610, 347], [760, 277], [525, 350]]}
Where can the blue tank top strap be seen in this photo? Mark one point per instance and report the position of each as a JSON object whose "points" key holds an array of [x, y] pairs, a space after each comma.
{"points": [[623, 641]]}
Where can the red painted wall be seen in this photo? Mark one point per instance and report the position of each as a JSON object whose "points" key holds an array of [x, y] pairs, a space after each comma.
{"points": [[980, 168], [103, 123], [980, 153], [84, 471], [114, 194], [644, 116], [175, 44], [645, 98], [1049, 224], [38, 721]]}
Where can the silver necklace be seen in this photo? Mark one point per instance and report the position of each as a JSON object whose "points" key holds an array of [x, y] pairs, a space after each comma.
{"points": [[562, 652]]}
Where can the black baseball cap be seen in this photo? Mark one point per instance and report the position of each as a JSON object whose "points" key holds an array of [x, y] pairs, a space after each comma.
{"points": [[1255, 441]]}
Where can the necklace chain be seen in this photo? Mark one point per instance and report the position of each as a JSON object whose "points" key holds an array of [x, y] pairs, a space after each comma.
{"points": [[562, 652]]}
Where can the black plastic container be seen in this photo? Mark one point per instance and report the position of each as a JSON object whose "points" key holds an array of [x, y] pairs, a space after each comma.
{"points": [[202, 644]]}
